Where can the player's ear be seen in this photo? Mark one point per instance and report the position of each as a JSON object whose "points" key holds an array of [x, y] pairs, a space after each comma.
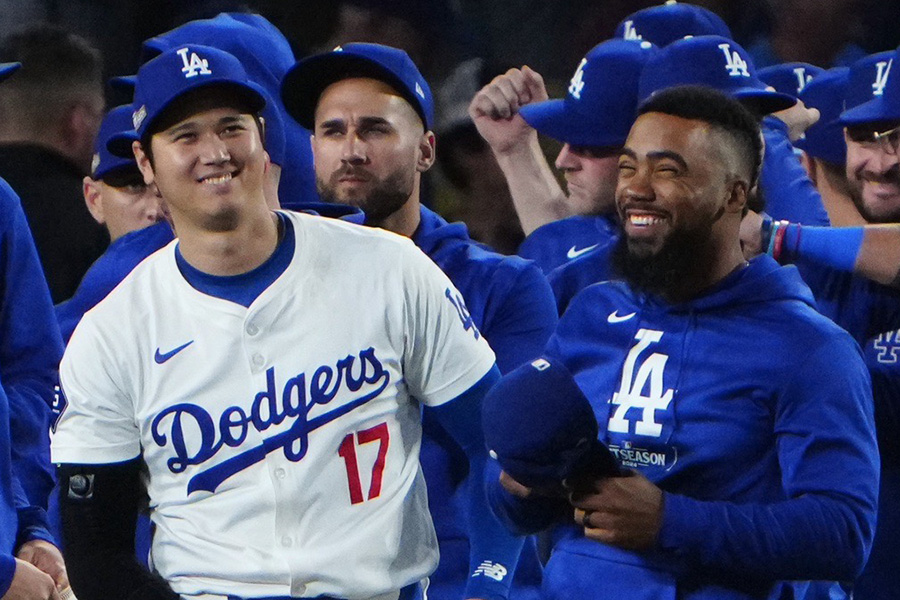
{"points": [[426, 153], [91, 191], [738, 191], [143, 162]]}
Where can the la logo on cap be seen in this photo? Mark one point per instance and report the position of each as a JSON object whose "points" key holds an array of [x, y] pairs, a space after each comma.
{"points": [[577, 83], [195, 66], [737, 67], [630, 32], [802, 78], [881, 76]]}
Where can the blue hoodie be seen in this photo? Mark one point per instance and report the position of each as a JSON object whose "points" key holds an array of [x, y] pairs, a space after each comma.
{"points": [[510, 303], [30, 349], [754, 415]]}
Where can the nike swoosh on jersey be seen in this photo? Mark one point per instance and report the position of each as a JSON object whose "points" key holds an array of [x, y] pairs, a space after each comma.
{"points": [[615, 317], [160, 357], [574, 252]]}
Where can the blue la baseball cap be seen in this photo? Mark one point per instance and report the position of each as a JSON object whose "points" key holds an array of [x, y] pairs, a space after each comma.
{"points": [[602, 101], [672, 21], [182, 70], [541, 428], [713, 61], [873, 93], [825, 139], [7, 69], [116, 121], [789, 78], [265, 54], [305, 82]]}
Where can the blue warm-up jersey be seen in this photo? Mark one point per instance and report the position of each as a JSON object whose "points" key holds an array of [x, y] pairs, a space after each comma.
{"points": [[29, 356], [556, 243], [751, 411], [119, 259], [871, 314], [509, 302]]}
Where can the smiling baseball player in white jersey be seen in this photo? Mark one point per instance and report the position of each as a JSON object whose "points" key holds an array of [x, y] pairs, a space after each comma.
{"points": [[267, 370]]}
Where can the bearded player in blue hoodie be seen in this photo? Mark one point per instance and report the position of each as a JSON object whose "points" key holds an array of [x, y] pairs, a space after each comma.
{"points": [[371, 113], [743, 418]]}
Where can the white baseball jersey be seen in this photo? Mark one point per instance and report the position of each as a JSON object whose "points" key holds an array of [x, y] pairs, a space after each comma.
{"points": [[282, 439]]}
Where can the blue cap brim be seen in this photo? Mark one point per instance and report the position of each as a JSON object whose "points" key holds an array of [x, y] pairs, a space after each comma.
{"points": [[763, 101], [120, 144], [253, 93], [124, 83], [7, 69], [874, 111], [558, 120]]}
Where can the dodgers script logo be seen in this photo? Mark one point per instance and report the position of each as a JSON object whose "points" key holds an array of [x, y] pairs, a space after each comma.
{"points": [[887, 344], [881, 76], [196, 65], [299, 396], [630, 394], [736, 66], [577, 83]]}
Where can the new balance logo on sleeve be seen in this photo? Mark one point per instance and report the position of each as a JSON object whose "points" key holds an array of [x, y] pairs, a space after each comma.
{"points": [[495, 571]]}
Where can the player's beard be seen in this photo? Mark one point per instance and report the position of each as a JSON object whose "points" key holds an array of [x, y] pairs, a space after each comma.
{"points": [[386, 196], [856, 195], [677, 270]]}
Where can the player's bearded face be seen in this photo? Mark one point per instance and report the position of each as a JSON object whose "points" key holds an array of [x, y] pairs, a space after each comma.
{"points": [[379, 198], [873, 173], [368, 147], [670, 198]]}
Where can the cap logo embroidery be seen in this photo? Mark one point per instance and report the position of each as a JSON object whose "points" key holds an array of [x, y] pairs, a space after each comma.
{"points": [[138, 117], [577, 83], [630, 32], [195, 66], [540, 364], [802, 78], [736, 66], [881, 76], [419, 91]]}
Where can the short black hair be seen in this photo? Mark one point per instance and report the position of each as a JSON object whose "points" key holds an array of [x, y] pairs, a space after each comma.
{"points": [[58, 66], [724, 113]]}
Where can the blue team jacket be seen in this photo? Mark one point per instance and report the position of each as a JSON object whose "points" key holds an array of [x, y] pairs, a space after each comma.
{"points": [[30, 350], [754, 415], [509, 301], [556, 243]]}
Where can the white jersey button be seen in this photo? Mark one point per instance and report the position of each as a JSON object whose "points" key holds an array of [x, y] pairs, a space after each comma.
{"points": [[252, 329], [280, 473], [258, 360], [287, 542]]}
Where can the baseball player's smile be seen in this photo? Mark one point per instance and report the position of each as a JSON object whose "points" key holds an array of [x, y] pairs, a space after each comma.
{"points": [[640, 223]]}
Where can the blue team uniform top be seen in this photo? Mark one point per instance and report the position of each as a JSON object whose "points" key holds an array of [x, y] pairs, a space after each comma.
{"points": [[29, 355], [871, 314], [754, 415], [510, 303], [120, 258], [555, 243]]}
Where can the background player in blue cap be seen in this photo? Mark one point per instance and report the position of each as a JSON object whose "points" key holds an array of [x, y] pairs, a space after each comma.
{"points": [[745, 415], [371, 113], [273, 383], [591, 121]]}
